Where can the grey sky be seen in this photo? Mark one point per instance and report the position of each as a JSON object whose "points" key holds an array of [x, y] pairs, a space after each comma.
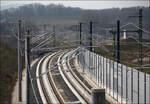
{"points": [[84, 4]]}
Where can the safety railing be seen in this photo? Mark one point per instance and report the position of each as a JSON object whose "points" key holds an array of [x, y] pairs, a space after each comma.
{"points": [[124, 84]]}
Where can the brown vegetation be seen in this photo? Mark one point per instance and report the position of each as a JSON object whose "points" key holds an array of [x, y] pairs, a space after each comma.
{"points": [[8, 72], [128, 54]]}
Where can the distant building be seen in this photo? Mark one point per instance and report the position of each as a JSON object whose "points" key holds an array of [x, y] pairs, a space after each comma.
{"points": [[124, 35]]}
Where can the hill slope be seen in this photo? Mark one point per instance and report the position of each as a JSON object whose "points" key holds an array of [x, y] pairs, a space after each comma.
{"points": [[8, 72]]}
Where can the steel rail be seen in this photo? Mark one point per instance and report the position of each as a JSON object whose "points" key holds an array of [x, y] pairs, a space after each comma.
{"points": [[78, 80], [70, 85], [41, 81], [51, 94], [53, 83], [74, 83], [54, 87], [47, 85], [39, 84]]}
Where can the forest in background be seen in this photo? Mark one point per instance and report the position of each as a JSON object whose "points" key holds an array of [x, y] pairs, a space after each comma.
{"points": [[35, 15]]}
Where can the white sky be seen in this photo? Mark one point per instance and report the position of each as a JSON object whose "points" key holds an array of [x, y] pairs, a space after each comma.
{"points": [[97, 4]]}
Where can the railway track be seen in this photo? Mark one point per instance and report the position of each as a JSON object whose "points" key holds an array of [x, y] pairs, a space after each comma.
{"points": [[57, 81]]}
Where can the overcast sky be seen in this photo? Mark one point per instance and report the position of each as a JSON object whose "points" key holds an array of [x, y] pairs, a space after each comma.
{"points": [[98, 4]]}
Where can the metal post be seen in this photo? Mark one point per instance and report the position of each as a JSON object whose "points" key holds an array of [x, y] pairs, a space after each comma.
{"points": [[78, 58], [98, 96], [113, 79], [118, 51], [140, 38], [144, 88], [93, 61], [121, 82], [126, 84], [90, 63], [19, 64], [117, 81], [97, 67], [109, 76], [138, 97], [97, 62], [27, 60], [103, 72], [106, 74], [91, 36], [94, 65], [132, 85], [101, 69], [118, 41], [80, 34], [77, 30], [98, 71], [82, 61]]}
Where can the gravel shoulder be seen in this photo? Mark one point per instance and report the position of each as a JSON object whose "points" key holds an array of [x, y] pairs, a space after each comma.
{"points": [[14, 99]]}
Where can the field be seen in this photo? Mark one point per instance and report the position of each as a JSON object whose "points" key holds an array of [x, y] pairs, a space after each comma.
{"points": [[128, 54]]}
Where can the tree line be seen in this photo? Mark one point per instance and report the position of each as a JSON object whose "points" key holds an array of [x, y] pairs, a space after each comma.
{"points": [[104, 18]]}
